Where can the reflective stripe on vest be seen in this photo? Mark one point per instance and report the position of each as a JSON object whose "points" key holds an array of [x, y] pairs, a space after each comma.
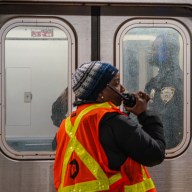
{"points": [[102, 182], [146, 185]]}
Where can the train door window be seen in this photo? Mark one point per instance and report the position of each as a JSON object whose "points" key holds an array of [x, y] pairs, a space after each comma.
{"points": [[36, 66], [154, 56]]}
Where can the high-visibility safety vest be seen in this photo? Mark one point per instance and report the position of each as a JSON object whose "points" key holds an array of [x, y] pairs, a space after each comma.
{"points": [[81, 164]]}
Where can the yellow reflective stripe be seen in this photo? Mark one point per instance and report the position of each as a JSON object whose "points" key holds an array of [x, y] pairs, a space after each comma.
{"points": [[90, 162], [102, 183], [72, 130], [69, 127], [143, 173], [68, 152], [145, 185], [89, 186], [115, 178], [70, 149]]}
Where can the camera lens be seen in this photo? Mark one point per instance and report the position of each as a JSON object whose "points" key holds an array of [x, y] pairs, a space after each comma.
{"points": [[129, 100]]}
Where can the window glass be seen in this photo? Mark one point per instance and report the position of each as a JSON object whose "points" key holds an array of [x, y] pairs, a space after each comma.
{"points": [[36, 74], [153, 62]]}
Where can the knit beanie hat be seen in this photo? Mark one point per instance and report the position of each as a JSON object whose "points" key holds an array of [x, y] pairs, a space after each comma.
{"points": [[91, 78]]}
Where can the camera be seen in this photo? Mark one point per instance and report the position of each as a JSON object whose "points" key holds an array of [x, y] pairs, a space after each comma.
{"points": [[129, 100]]}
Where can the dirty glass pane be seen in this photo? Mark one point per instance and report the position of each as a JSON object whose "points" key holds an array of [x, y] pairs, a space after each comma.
{"points": [[36, 74], [153, 62]]}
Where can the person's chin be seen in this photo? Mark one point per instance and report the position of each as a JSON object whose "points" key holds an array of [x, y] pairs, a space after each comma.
{"points": [[117, 103]]}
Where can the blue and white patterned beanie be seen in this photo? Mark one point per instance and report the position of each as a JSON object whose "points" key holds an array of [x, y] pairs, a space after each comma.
{"points": [[91, 78]]}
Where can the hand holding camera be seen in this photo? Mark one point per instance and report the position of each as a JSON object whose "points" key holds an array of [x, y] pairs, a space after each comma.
{"points": [[141, 100], [135, 103]]}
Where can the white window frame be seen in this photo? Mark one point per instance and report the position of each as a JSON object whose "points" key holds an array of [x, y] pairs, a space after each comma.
{"points": [[178, 150], [16, 22]]}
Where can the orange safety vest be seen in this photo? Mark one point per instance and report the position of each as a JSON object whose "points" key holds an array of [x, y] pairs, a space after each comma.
{"points": [[81, 164]]}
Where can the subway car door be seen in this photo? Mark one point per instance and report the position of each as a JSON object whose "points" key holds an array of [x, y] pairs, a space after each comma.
{"points": [[41, 45], [128, 39]]}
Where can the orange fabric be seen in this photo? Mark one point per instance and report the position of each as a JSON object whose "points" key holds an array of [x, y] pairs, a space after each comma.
{"points": [[82, 176], [88, 135]]}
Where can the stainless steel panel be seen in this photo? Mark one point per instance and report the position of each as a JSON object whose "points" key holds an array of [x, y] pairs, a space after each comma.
{"points": [[173, 175], [33, 175], [115, 1], [27, 97], [25, 176], [37, 176]]}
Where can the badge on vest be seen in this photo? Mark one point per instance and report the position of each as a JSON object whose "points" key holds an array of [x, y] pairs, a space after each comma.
{"points": [[74, 168], [167, 94]]}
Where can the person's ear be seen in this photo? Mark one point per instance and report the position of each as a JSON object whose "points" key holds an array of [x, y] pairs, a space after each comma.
{"points": [[100, 97]]}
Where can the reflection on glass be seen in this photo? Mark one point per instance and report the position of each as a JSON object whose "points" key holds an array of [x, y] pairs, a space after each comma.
{"points": [[60, 108], [36, 72], [152, 61], [59, 112]]}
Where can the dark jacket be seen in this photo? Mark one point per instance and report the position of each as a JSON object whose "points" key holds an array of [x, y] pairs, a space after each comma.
{"points": [[170, 111], [122, 138]]}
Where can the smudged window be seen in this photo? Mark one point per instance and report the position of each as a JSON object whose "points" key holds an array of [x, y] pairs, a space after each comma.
{"points": [[154, 57], [35, 73]]}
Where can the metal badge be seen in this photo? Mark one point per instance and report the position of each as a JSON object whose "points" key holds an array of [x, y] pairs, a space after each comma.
{"points": [[167, 94], [152, 94]]}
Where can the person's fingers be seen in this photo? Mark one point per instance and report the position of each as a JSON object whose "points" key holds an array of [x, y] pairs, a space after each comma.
{"points": [[144, 96]]}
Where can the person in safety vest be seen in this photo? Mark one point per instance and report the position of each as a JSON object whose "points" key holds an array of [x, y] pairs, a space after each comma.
{"points": [[99, 147]]}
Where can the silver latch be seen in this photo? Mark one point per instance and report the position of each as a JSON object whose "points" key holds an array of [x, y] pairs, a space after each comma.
{"points": [[27, 97]]}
